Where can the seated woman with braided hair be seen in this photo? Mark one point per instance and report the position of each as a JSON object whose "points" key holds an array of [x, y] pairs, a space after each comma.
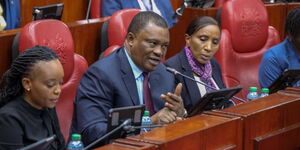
{"points": [[28, 94]]}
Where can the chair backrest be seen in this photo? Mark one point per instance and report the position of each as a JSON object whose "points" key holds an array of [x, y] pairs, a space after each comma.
{"points": [[95, 8], [219, 3], [246, 35], [118, 25], [57, 36], [110, 50]]}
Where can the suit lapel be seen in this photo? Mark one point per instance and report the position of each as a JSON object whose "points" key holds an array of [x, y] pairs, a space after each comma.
{"points": [[216, 74], [128, 77], [193, 89]]}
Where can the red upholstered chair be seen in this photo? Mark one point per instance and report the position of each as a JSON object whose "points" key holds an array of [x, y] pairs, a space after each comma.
{"points": [[118, 25], [56, 35], [95, 8], [110, 50], [246, 35], [117, 29], [219, 3]]}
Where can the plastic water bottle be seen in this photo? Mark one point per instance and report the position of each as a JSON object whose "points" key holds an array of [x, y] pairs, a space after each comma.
{"points": [[75, 143], [252, 93], [146, 121], [264, 92]]}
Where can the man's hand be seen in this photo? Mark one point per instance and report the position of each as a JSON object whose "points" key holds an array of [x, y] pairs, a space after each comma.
{"points": [[164, 116], [174, 101]]}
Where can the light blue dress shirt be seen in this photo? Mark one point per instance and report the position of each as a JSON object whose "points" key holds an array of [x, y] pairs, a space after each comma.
{"points": [[138, 75]]}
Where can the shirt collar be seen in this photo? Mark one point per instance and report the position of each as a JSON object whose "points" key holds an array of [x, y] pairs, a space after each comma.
{"points": [[135, 69]]}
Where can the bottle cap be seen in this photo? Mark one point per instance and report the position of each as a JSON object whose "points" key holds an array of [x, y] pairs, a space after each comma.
{"points": [[76, 136], [146, 113], [253, 89], [265, 90]]}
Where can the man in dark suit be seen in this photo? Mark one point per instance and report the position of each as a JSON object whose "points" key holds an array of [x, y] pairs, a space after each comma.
{"points": [[162, 7], [117, 80]]}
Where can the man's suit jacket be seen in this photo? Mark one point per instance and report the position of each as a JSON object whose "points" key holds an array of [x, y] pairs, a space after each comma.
{"points": [[110, 83], [190, 92], [165, 7]]}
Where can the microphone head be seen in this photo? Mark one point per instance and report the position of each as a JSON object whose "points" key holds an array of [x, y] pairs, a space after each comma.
{"points": [[127, 122], [172, 70]]}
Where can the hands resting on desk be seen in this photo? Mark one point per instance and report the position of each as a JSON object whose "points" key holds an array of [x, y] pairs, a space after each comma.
{"points": [[173, 110]]}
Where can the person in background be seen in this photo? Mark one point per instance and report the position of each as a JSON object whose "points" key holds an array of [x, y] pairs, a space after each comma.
{"points": [[285, 55], [2, 21], [161, 7], [131, 75], [196, 60], [12, 14], [28, 95]]}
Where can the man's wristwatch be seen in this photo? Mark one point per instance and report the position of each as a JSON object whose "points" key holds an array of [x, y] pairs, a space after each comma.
{"points": [[185, 114]]}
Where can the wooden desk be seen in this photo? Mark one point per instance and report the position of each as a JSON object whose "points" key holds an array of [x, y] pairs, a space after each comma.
{"points": [[287, 138], [203, 132], [271, 122], [269, 119], [126, 144]]}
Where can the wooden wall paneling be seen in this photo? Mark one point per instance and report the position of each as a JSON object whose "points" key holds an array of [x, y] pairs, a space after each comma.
{"points": [[266, 115], [177, 32], [6, 40], [200, 132], [87, 38], [277, 15], [73, 9], [292, 5], [212, 12], [176, 4]]}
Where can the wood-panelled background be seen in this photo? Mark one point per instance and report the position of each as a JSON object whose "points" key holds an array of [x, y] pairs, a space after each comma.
{"points": [[86, 33], [73, 9]]}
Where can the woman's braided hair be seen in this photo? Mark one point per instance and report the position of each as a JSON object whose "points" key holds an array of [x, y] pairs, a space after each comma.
{"points": [[11, 84]]}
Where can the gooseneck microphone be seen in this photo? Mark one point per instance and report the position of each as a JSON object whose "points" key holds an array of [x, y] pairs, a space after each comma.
{"points": [[133, 128], [174, 71], [41, 144], [127, 122]]}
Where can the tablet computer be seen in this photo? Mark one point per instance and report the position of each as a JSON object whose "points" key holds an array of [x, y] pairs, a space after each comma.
{"points": [[53, 11], [41, 144], [286, 79], [118, 115], [214, 100]]}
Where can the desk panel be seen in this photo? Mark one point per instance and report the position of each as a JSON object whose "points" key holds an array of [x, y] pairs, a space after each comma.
{"points": [[266, 115], [203, 132]]}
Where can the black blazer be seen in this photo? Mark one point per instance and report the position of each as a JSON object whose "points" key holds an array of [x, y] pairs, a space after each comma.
{"points": [[190, 92]]}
